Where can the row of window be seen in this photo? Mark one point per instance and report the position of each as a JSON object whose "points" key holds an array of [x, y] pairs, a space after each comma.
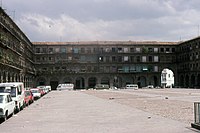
{"points": [[106, 69], [100, 59], [88, 50], [189, 46], [189, 66]]}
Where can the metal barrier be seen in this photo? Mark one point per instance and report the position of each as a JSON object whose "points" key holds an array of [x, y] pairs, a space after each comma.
{"points": [[196, 123], [197, 112]]}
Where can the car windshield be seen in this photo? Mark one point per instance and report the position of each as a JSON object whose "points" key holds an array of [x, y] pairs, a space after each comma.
{"points": [[27, 93], [34, 91], [11, 90], [1, 98]]}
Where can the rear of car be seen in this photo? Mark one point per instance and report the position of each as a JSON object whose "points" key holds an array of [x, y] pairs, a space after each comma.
{"points": [[28, 97], [36, 93], [7, 106], [16, 90]]}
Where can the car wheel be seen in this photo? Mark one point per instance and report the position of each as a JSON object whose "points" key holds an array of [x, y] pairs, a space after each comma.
{"points": [[6, 116]]}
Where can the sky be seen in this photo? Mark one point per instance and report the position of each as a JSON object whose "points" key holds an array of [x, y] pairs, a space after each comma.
{"points": [[106, 20]]}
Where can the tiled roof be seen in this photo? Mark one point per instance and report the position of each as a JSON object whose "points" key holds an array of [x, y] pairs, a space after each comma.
{"points": [[107, 43]]}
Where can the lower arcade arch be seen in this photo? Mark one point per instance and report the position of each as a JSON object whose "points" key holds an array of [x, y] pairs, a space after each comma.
{"points": [[105, 80], [80, 83], [92, 81]]}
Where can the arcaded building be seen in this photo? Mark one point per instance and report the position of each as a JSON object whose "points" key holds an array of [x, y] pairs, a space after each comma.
{"points": [[16, 53], [115, 63], [188, 62]]}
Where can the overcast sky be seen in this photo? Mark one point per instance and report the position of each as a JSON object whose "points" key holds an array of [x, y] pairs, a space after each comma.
{"points": [[97, 20]]}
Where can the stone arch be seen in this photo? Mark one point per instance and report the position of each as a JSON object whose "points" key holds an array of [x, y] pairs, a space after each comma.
{"points": [[141, 81], [129, 80], [167, 78], [182, 81], [79, 83], [117, 82], [67, 80], [192, 81], [54, 81], [41, 81], [105, 80], [153, 81], [198, 80], [187, 81], [92, 81]]}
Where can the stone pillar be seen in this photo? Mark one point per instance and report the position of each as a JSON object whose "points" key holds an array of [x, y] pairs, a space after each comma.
{"points": [[86, 82], [111, 81], [6, 76], [1, 78]]}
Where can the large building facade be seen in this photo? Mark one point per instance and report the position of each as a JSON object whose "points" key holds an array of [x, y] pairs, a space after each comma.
{"points": [[16, 53], [86, 64], [115, 63]]}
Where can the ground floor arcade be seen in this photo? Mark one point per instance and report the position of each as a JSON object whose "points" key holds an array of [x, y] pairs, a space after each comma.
{"points": [[85, 81]]}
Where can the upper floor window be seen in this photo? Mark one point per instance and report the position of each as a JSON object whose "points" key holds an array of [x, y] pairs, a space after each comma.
{"points": [[150, 50], [82, 50], [132, 50], [173, 50], [113, 49], [125, 58], [44, 50], [126, 50], [75, 50], [88, 50], [155, 50], [144, 58], [107, 50], [138, 50], [114, 59], [57, 50], [167, 50], [50, 50], [155, 58], [120, 50], [138, 59], [162, 50], [37, 50]]}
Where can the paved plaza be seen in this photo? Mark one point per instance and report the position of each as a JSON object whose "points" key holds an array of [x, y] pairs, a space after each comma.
{"points": [[108, 111]]}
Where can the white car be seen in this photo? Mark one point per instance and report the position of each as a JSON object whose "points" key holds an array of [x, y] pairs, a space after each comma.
{"points": [[7, 106], [132, 86], [65, 87], [16, 90], [36, 93]]}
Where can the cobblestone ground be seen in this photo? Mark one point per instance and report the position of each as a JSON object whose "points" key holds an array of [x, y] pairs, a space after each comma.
{"points": [[176, 104]]}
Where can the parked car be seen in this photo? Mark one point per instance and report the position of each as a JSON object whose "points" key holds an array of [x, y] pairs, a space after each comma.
{"points": [[7, 106], [65, 87], [132, 86], [113, 88], [44, 89], [150, 86], [28, 97], [101, 86], [16, 90], [37, 93]]}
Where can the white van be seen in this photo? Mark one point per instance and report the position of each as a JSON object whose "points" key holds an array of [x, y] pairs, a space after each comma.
{"points": [[16, 90], [132, 86], [65, 87]]}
